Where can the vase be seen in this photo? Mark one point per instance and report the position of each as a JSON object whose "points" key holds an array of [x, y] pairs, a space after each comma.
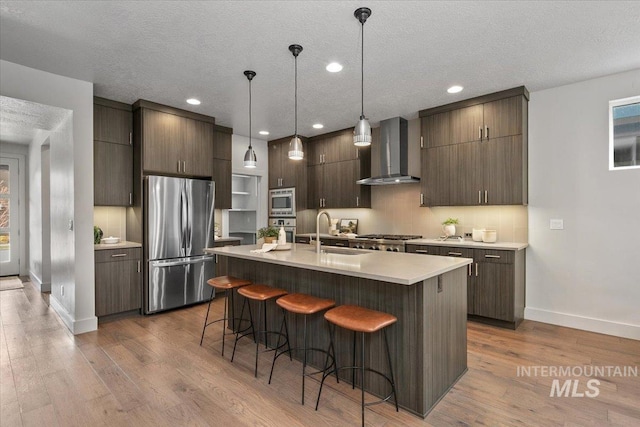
{"points": [[449, 230]]}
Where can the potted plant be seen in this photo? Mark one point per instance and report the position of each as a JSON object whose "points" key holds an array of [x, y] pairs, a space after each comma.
{"points": [[449, 226], [269, 234]]}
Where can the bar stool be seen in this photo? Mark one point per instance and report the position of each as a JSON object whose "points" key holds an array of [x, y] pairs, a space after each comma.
{"points": [[260, 293], [227, 284], [359, 319], [306, 305]]}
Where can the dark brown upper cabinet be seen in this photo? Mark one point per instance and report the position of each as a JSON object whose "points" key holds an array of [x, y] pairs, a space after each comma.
{"points": [[112, 153], [222, 166], [286, 173], [175, 142], [336, 166], [474, 152]]}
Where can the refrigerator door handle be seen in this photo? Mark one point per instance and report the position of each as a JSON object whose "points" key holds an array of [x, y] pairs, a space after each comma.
{"points": [[182, 261]]}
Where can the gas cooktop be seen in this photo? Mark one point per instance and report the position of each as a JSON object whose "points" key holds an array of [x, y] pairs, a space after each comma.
{"points": [[389, 236]]}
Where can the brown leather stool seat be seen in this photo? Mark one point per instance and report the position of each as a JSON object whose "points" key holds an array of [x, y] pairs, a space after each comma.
{"points": [[227, 284], [260, 293], [364, 321], [359, 319], [306, 305]]}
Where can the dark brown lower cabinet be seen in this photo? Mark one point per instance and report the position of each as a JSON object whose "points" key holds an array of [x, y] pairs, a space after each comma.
{"points": [[495, 285], [118, 276]]}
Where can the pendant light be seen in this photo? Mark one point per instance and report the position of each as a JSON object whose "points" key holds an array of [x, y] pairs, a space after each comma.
{"points": [[362, 131], [295, 146], [250, 159]]}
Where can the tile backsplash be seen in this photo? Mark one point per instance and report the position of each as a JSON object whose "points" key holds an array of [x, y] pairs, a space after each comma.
{"points": [[112, 220], [395, 210]]}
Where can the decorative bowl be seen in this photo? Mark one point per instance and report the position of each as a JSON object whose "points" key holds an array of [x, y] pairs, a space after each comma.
{"points": [[110, 240]]}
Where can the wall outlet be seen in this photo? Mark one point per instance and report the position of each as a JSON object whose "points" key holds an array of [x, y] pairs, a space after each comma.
{"points": [[556, 224], [62, 290], [467, 234]]}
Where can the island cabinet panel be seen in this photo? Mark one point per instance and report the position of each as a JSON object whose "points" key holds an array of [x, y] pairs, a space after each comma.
{"points": [[475, 151], [118, 281], [428, 343], [496, 282], [112, 153]]}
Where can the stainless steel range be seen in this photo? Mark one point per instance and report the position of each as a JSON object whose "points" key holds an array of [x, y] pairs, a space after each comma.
{"points": [[381, 242]]}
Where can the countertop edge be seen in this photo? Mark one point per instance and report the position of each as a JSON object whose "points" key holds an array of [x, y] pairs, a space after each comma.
{"points": [[121, 245], [503, 246], [456, 263]]}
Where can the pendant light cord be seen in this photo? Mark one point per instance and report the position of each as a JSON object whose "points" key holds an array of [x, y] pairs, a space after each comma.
{"points": [[250, 131], [296, 96], [362, 72]]}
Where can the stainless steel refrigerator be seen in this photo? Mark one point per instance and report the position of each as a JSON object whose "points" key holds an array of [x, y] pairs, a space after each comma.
{"points": [[178, 226]]}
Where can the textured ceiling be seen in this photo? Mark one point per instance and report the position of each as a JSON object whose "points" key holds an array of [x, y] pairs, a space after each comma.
{"points": [[21, 120], [169, 51]]}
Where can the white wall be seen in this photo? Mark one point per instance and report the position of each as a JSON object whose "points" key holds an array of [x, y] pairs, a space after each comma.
{"points": [[239, 145], [585, 276], [36, 244], [71, 158]]}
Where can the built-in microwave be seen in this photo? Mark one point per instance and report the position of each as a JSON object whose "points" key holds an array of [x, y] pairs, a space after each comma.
{"points": [[282, 202]]}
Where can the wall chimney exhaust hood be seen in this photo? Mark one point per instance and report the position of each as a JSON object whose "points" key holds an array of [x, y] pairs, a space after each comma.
{"points": [[393, 161]]}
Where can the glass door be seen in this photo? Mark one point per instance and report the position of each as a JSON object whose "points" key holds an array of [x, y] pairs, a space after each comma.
{"points": [[9, 217]]}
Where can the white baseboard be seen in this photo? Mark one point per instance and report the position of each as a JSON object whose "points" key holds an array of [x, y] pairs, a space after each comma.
{"points": [[75, 326], [607, 327], [37, 281]]}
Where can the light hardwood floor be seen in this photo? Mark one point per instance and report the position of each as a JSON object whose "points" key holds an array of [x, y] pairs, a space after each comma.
{"points": [[151, 371]]}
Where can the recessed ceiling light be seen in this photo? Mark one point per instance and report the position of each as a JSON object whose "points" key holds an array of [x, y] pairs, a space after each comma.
{"points": [[334, 67], [263, 132], [455, 89], [193, 101], [318, 126]]}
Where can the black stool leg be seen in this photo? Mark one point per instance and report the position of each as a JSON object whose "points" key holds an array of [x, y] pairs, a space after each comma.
{"points": [[207, 318], [362, 377], [225, 320], [304, 358], [275, 353], [393, 382], [324, 374], [238, 332], [353, 371], [255, 372]]}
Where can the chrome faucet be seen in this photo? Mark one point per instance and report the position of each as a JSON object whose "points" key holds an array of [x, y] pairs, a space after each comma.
{"points": [[318, 227]]}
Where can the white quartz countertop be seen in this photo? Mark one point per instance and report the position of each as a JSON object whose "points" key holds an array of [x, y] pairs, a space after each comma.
{"points": [[122, 245], [227, 239], [394, 267], [507, 246]]}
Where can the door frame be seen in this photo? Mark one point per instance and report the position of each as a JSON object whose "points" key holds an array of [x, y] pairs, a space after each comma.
{"points": [[22, 217]]}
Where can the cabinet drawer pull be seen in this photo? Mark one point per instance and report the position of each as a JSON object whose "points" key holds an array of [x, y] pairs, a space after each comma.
{"points": [[492, 256], [422, 198], [469, 269], [130, 198], [357, 201], [118, 255], [485, 196], [138, 266], [476, 269], [422, 251], [178, 165], [184, 166], [480, 133], [455, 253], [339, 244], [479, 197], [486, 132]]}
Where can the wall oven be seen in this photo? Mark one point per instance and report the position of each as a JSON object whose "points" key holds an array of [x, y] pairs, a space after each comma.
{"points": [[282, 202], [289, 225]]}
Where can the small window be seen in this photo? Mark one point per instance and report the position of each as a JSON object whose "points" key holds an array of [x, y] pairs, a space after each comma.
{"points": [[624, 133]]}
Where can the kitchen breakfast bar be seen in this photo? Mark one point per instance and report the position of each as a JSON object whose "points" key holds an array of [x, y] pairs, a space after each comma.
{"points": [[428, 295]]}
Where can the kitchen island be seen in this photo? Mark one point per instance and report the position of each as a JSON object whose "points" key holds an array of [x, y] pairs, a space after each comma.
{"points": [[427, 294]]}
